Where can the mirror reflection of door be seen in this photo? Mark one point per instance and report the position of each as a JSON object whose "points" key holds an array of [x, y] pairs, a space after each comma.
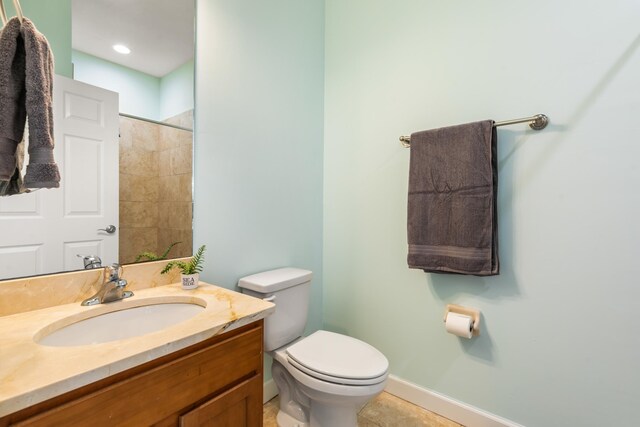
{"points": [[45, 231]]}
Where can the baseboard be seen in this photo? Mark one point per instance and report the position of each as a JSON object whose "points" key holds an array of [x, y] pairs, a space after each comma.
{"points": [[269, 388], [447, 407]]}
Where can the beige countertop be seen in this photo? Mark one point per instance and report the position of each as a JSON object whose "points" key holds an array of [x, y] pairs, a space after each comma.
{"points": [[31, 373]]}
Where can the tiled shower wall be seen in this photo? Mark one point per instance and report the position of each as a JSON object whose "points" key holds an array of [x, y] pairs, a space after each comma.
{"points": [[175, 181], [155, 187]]}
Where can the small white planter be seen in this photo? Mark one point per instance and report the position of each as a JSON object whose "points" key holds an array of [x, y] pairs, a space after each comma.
{"points": [[190, 281]]}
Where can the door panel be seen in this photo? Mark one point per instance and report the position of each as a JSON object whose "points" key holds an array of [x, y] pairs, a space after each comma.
{"points": [[83, 167]]}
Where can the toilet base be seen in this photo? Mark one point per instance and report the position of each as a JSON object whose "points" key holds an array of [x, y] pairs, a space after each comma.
{"points": [[324, 415], [321, 416], [286, 420], [309, 402]]}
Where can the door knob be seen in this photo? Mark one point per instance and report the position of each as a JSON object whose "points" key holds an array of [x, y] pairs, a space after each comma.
{"points": [[110, 229]]}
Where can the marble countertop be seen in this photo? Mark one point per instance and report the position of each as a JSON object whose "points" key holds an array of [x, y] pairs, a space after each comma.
{"points": [[31, 373]]}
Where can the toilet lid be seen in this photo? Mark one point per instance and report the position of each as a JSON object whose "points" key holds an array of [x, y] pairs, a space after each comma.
{"points": [[338, 358]]}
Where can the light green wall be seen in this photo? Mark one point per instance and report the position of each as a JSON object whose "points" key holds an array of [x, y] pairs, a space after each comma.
{"points": [[53, 19], [139, 92], [176, 91], [552, 351], [258, 152]]}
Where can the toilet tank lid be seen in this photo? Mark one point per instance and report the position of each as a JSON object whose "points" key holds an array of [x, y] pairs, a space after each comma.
{"points": [[275, 280]]}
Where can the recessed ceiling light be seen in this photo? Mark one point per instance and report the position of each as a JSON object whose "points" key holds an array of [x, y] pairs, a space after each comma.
{"points": [[120, 48]]}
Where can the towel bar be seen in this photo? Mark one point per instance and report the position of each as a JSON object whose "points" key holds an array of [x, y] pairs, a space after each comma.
{"points": [[537, 122]]}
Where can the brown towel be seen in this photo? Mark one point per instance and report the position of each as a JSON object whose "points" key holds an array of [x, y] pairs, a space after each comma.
{"points": [[13, 113], [26, 89], [16, 184], [452, 217], [42, 170]]}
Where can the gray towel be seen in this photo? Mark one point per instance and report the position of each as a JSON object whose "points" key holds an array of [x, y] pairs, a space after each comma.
{"points": [[42, 170], [453, 182], [26, 89], [13, 112], [16, 184]]}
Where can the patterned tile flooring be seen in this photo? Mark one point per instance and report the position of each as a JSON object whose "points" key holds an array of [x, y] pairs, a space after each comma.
{"points": [[386, 410]]}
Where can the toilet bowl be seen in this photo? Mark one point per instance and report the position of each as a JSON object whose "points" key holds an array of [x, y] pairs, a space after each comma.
{"points": [[323, 379]]}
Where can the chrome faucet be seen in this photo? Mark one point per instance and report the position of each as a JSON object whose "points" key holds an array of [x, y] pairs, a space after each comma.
{"points": [[112, 288]]}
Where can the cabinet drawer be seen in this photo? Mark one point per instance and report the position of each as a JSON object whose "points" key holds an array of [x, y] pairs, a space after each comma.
{"points": [[153, 395], [239, 407]]}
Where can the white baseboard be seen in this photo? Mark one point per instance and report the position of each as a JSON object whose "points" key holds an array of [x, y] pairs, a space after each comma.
{"points": [[440, 404], [269, 388]]}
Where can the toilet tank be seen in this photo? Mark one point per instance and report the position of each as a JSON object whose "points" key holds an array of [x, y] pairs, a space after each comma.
{"points": [[288, 288]]}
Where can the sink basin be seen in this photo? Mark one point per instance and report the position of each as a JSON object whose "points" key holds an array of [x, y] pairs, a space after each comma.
{"points": [[126, 322]]}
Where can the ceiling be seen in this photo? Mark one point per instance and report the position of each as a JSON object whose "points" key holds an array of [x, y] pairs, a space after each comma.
{"points": [[160, 33]]}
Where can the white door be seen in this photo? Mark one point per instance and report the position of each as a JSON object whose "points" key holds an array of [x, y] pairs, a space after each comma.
{"points": [[44, 231]]}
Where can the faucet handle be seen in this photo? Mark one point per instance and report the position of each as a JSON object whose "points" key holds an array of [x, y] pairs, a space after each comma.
{"points": [[113, 271], [90, 261]]}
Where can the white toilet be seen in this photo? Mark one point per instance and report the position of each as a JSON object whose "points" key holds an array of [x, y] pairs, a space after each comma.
{"points": [[323, 379]]}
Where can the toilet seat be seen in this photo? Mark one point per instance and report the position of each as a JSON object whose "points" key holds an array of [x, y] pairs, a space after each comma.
{"points": [[331, 379], [338, 359]]}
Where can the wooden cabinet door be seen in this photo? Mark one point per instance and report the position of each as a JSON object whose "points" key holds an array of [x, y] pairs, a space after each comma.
{"points": [[240, 406]]}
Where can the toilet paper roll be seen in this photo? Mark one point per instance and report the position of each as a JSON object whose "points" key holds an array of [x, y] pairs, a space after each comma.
{"points": [[459, 324]]}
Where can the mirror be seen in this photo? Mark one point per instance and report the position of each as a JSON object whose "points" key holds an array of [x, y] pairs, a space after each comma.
{"points": [[151, 189]]}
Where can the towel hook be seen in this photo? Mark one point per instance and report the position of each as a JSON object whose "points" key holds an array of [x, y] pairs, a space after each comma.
{"points": [[3, 13], [16, 4]]}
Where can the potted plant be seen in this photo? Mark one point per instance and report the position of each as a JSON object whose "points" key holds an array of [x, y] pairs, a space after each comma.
{"points": [[190, 271]]}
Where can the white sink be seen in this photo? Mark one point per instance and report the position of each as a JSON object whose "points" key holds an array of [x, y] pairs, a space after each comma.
{"points": [[124, 323]]}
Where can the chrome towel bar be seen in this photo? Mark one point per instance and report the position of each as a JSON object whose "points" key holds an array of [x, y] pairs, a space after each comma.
{"points": [[537, 122]]}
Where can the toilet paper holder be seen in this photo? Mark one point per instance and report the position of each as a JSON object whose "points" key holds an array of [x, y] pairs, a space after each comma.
{"points": [[474, 314]]}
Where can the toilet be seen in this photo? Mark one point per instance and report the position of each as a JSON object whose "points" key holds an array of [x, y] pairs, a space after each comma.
{"points": [[323, 379]]}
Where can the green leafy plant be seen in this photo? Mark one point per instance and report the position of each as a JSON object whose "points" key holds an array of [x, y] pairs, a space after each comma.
{"points": [[193, 266], [151, 256]]}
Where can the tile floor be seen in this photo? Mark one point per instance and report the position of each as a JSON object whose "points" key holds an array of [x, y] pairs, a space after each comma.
{"points": [[386, 410]]}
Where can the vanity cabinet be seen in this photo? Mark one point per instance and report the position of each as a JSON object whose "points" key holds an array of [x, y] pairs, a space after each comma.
{"points": [[215, 382]]}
